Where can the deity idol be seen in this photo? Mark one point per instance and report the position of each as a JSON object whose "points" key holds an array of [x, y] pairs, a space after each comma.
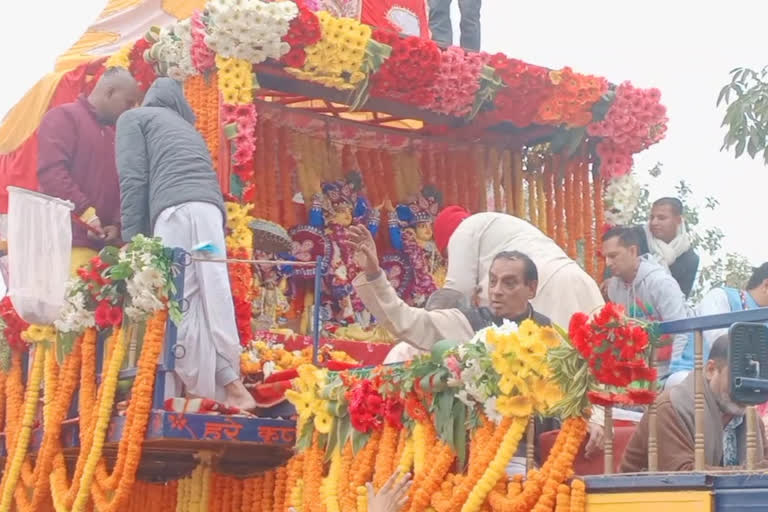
{"points": [[339, 205], [269, 280], [418, 269]]}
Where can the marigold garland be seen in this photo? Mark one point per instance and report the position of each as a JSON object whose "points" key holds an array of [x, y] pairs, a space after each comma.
{"points": [[17, 455], [123, 476], [101, 421]]}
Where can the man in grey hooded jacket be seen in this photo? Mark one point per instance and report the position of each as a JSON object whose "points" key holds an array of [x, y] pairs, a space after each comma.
{"points": [[646, 289], [168, 189]]}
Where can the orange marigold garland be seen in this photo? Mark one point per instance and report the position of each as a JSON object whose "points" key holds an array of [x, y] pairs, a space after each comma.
{"points": [[588, 221], [599, 221], [385, 456], [137, 417], [278, 501]]}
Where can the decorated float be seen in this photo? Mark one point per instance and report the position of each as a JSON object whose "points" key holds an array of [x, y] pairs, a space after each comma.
{"points": [[318, 120]]}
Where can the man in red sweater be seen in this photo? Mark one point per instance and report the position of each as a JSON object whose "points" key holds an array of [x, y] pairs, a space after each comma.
{"points": [[76, 160]]}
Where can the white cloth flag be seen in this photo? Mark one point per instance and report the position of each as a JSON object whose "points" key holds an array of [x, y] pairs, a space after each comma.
{"points": [[39, 254]]}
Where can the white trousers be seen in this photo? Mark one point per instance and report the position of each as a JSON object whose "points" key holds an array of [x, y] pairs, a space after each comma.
{"points": [[208, 332]]}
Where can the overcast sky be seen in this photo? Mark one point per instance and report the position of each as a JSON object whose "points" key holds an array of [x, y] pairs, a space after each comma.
{"points": [[683, 47]]}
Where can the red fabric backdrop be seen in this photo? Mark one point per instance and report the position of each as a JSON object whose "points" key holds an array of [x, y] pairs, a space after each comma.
{"points": [[383, 14], [19, 167]]}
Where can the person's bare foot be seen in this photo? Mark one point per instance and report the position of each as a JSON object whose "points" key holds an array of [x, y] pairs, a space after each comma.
{"points": [[238, 396]]}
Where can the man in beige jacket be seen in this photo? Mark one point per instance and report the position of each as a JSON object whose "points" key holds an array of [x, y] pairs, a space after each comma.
{"points": [[512, 283], [473, 241]]}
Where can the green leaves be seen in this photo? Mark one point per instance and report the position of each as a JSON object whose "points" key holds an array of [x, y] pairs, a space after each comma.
{"points": [[746, 117]]}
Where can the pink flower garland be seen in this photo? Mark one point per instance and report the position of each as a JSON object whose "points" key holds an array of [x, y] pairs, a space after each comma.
{"points": [[635, 121], [457, 81], [203, 58], [244, 116]]}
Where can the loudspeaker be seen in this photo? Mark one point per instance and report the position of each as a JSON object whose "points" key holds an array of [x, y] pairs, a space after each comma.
{"points": [[749, 363]]}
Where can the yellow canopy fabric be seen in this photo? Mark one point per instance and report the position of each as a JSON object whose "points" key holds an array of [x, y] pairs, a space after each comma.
{"points": [[120, 22]]}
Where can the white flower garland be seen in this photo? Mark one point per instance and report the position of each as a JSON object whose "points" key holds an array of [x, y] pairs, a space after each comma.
{"points": [[251, 30], [622, 196]]}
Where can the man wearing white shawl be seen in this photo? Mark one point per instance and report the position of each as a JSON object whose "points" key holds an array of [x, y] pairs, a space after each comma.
{"points": [[669, 243]]}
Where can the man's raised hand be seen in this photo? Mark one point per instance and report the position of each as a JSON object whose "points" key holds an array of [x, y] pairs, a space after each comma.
{"points": [[365, 249]]}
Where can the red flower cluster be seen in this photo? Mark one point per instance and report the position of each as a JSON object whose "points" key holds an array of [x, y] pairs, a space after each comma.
{"points": [[416, 408], [410, 69], [93, 276], [393, 411], [303, 31], [141, 70], [14, 325], [244, 116], [240, 278], [635, 121], [572, 98], [366, 406], [526, 87], [108, 315], [203, 58], [457, 81], [615, 348]]}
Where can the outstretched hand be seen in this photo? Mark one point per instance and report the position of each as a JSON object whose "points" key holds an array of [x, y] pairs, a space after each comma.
{"points": [[392, 496], [365, 249]]}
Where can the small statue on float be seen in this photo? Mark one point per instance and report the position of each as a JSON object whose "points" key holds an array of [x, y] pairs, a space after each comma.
{"points": [[417, 269], [339, 205], [270, 240]]}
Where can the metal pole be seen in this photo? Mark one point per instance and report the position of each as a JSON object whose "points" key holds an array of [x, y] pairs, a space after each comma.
{"points": [[316, 310], [698, 399], [169, 360], [653, 449]]}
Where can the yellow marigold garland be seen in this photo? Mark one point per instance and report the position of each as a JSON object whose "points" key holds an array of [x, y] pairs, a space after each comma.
{"points": [[101, 422], [17, 456]]}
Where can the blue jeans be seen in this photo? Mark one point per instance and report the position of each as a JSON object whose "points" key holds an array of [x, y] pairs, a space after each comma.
{"points": [[440, 23]]}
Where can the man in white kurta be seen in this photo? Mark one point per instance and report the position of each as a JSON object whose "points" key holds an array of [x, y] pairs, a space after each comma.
{"points": [[474, 240]]}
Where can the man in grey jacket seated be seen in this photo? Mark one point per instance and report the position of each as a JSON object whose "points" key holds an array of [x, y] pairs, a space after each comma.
{"points": [[168, 189]]}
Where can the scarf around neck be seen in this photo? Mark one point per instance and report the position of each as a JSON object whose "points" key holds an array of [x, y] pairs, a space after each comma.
{"points": [[666, 253]]}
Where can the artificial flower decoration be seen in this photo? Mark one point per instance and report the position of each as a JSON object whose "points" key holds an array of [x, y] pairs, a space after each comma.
{"points": [[410, 69], [203, 57], [622, 195], [518, 381], [457, 81], [336, 59], [635, 120], [617, 349], [571, 99], [250, 30], [303, 31], [171, 50]]}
